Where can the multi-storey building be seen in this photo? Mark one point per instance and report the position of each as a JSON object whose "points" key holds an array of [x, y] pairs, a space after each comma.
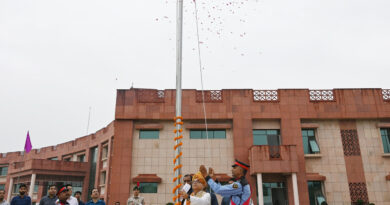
{"points": [[303, 146]]}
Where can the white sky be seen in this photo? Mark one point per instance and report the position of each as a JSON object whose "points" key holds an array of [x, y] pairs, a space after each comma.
{"points": [[58, 58]]}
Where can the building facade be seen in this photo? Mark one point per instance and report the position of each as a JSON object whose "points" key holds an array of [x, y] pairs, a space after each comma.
{"points": [[303, 146]]}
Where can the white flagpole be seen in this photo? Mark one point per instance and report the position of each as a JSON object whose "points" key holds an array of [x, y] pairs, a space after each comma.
{"points": [[179, 41]]}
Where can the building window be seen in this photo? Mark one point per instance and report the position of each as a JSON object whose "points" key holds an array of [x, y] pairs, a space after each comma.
{"points": [[67, 159], [149, 134], [81, 158], [310, 145], [211, 134], [385, 133], [316, 194], [53, 158], [36, 187], [105, 152], [266, 137], [3, 171], [2, 186], [148, 187], [16, 188], [103, 178], [92, 159]]}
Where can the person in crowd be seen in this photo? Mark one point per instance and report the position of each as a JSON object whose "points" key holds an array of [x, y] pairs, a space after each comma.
{"points": [[2, 195], [71, 199], [21, 198], [136, 199], [62, 196], [226, 200], [77, 195], [198, 195], [239, 191], [95, 198], [187, 179], [51, 198]]}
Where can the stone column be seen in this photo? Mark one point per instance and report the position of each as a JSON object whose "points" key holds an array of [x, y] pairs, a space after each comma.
{"points": [[260, 189], [32, 184], [295, 188]]}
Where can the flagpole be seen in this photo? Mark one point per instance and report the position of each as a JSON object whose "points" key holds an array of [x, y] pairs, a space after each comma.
{"points": [[179, 46]]}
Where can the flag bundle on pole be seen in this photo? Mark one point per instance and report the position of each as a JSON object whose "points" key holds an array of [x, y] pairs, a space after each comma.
{"points": [[27, 144]]}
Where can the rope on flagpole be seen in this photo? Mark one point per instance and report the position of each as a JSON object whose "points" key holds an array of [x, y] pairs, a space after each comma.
{"points": [[176, 161]]}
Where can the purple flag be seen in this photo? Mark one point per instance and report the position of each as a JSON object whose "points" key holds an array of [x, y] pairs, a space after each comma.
{"points": [[27, 145]]}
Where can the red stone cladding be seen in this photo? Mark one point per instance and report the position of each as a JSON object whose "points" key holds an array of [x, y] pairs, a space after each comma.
{"points": [[261, 160], [238, 105], [82, 144]]}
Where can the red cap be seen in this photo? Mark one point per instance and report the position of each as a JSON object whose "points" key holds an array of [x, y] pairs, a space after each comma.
{"points": [[63, 189], [241, 164]]}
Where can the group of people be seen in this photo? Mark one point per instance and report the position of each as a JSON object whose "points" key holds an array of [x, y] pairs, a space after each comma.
{"points": [[236, 192], [61, 196]]}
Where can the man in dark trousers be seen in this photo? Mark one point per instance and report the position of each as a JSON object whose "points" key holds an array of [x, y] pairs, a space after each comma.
{"points": [[51, 198], [21, 198]]}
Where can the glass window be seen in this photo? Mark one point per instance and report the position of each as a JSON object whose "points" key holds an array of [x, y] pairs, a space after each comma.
{"points": [[92, 169], [148, 134], [36, 187], [16, 188], [2, 186], [195, 134], [219, 134], [310, 145], [103, 178], [53, 158], [105, 151], [3, 171], [81, 158], [266, 137], [316, 195], [313, 146], [148, 187], [385, 140], [211, 134], [275, 193]]}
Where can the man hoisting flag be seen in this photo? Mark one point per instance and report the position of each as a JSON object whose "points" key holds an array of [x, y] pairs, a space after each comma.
{"points": [[27, 144]]}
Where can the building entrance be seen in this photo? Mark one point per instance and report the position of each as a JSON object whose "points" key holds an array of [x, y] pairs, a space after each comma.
{"points": [[275, 193]]}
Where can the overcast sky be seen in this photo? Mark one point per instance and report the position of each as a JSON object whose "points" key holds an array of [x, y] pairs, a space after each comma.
{"points": [[58, 58]]}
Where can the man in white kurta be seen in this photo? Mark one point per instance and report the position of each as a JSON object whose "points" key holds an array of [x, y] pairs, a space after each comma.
{"points": [[198, 195]]}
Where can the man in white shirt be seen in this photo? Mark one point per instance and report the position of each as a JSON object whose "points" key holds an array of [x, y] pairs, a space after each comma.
{"points": [[2, 201], [71, 199]]}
